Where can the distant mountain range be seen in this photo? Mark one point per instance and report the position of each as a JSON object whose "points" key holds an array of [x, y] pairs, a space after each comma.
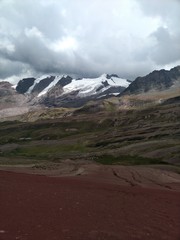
{"points": [[64, 91], [53, 91]]}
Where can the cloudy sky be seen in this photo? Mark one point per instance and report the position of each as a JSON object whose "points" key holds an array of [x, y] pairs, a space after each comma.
{"points": [[88, 37]]}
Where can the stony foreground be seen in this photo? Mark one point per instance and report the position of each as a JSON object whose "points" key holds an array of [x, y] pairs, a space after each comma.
{"points": [[34, 207]]}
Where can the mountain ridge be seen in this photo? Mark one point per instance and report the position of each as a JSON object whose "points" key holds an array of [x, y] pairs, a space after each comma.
{"points": [[158, 80], [64, 91]]}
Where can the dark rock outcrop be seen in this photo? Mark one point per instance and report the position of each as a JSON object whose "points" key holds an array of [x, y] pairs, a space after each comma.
{"points": [[24, 85], [42, 84], [65, 80]]}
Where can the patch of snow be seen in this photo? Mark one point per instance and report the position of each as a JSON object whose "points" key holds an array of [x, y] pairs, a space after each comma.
{"points": [[14, 86], [110, 94], [89, 86], [85, 86], [115, 81], [115, 94], [101, 96]]}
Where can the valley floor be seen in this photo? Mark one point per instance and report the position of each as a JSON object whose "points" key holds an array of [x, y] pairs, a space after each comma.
{"points": [[99, 203], [108, 175]]}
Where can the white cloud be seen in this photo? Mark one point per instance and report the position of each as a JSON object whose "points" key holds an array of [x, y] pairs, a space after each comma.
{"points": [[33, 32], [7, 46], [65, 44]]}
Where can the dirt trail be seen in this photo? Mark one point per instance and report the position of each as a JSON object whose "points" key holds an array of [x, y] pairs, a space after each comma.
{"points": [[34, 207]]}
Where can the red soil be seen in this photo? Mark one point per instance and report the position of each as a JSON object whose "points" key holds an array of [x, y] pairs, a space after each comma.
{"points": [[36, 207]]}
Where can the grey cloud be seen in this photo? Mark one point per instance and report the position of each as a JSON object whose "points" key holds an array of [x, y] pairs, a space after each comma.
{"points": [[9, 68], [88, 38], [162, 47], [167, 48]]}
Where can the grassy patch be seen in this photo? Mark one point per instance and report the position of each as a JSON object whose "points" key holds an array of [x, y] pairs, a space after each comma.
{"points": [[127, 160], [49, 152], [12, 133], [17, 161]]}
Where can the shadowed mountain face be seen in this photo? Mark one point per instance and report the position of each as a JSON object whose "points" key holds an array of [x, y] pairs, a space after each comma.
{"points": [[157, 80], [39, 87], [24, 85], [65, 80]]}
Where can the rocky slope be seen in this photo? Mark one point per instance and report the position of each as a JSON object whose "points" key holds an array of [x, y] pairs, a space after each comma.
{"points": [[7, 95], [155, 81], [11, 102]]}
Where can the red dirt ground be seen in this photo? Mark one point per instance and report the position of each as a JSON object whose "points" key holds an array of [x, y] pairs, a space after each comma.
{"points": [[34, 207]]}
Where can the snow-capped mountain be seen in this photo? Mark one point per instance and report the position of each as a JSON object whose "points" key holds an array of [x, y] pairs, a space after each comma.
{"points": [[68, 92], [88, 87]]}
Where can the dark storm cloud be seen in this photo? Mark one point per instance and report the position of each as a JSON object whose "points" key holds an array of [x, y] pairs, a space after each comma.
{"points": [[87, 38], [166, 38], [167, 47]]}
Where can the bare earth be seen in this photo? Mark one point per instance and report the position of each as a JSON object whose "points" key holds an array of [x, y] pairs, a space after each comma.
{"points": [[89, 202]]}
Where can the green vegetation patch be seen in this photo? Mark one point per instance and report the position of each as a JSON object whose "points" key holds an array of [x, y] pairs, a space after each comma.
{"points": [[17, 161], [49, 152], [127, 160], [16, 131]]}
